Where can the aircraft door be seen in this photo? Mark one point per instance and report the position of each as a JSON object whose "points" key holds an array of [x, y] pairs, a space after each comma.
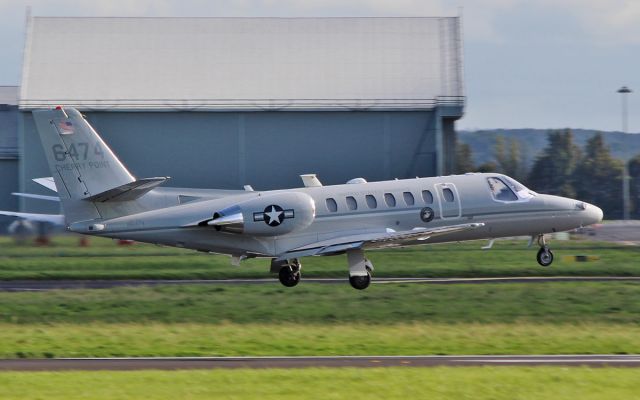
{"points": [[448, 200]]}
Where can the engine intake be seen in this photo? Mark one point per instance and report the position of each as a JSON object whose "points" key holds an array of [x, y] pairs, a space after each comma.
{"points": [[230, 219]]}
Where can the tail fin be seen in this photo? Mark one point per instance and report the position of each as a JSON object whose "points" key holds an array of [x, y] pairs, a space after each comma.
{"points": [[81, 164]]}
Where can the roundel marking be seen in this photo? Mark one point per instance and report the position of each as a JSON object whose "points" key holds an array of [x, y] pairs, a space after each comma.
{"points": [[273, 215], [426, 214]]}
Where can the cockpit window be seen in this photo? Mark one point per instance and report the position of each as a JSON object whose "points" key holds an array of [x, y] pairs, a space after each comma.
{"points": [[521, 191], [500, 190]]}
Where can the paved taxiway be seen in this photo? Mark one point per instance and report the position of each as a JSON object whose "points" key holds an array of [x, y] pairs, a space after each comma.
{"points": [[41, 285], [169, 363]]}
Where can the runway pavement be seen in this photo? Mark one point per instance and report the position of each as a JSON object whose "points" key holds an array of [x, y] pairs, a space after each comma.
{"points": [[43, 285], [128, 364], [626, 232]]}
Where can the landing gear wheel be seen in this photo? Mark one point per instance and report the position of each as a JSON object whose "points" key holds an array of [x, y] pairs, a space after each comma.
{"points": [[545, 256], [360, 282], [289, 276]]}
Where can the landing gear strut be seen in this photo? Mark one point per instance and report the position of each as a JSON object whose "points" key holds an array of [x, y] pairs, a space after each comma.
{"points": [[359, 269], [289, 274], [545, 255]]}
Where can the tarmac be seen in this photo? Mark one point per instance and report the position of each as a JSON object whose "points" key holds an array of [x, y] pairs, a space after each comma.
{"points": [[44, 285], [182, 363]]}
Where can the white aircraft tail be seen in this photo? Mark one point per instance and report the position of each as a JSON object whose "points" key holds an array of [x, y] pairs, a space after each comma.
{"points": [[84, 168]]}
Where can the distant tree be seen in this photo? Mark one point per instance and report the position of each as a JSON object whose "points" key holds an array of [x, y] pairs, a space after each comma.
{"points": [[634, 173], [489, 166], [554, 168], [508, 157], [499, 151], [464, 159], [598, 177]]}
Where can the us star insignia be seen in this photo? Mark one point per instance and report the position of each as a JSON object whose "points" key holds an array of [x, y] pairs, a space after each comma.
{"points": [[273, 215]]}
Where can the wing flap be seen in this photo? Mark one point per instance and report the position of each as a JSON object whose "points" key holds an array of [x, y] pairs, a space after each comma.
{"points": [[374, 240]]}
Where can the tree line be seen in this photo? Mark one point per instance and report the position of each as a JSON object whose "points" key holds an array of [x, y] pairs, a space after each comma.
{"points": [[563, 168]]}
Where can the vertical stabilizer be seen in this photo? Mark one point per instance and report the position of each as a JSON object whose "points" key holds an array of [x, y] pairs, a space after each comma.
{"points": [[81, 164]]}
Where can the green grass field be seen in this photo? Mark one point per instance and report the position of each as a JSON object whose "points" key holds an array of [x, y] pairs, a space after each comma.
{"points": [[105, 260], [374, 383], [232, 339], [318, 319], [563, 302], [314, 319]]}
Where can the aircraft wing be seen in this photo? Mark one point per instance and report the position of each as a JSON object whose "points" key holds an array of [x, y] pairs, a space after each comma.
{"points": [[52, 218], [380, 240], [37, 196]]}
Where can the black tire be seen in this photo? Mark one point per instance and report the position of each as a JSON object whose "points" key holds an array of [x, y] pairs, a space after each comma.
{"points": [[360, 282], [288, 277], [544, 257]]}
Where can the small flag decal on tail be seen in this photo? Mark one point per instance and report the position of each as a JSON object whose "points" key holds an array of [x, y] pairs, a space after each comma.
{"points": [[65, 127]]}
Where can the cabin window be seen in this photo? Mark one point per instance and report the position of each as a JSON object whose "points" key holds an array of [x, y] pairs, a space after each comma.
{"points": [[500, 191], [352, 204], [371, 201], [427, 197], [448, 195], [332, 205], [390, 199], [408, 198]]}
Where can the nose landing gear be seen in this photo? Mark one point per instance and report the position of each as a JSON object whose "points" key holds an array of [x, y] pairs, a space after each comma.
{"points": [[545, 255]]}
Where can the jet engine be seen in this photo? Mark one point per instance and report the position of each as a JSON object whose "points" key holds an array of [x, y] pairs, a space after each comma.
{"points": [[270, 215]]}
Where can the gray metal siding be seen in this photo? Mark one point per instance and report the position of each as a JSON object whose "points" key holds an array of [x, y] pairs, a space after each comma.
{"points": [[8, 184], [8, 161], [8, 131], [265, 149]]}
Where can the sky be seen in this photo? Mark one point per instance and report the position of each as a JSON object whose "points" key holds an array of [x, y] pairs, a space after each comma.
{"points": [[527, 64]]}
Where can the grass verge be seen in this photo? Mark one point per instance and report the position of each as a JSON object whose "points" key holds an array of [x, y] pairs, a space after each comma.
{"points": [[105, 260], [228, 339], [320, 319], [559, 302], [376, 383]]}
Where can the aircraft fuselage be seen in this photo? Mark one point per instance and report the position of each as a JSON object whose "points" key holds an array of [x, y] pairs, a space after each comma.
{"points": [[351, 209]]}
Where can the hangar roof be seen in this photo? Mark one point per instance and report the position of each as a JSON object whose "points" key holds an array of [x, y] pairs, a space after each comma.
{"points": [[242, 63]]}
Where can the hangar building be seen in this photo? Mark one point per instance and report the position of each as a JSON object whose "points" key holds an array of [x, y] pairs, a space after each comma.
{"points": [[226, 102], [8, 150]]}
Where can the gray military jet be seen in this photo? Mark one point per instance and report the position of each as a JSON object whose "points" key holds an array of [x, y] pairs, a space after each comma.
{"points": [[100, 197]]}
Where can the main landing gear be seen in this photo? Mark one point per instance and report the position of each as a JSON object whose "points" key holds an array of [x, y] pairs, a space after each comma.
{"points": [[359, 269], [289, 273], [545, 255]]}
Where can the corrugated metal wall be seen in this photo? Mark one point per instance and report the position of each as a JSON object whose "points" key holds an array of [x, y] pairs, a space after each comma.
{"points": [[8, 161], [265, 149]]}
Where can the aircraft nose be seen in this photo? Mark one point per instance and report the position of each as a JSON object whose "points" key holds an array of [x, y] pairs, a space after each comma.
{"points": [[593, 214]]}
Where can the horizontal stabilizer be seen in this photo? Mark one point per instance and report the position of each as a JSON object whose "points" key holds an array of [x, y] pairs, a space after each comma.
{"points": [[128, 191], [47, 182]]}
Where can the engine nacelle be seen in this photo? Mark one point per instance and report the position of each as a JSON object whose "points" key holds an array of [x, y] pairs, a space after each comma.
{"points": [[270, 215]]}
